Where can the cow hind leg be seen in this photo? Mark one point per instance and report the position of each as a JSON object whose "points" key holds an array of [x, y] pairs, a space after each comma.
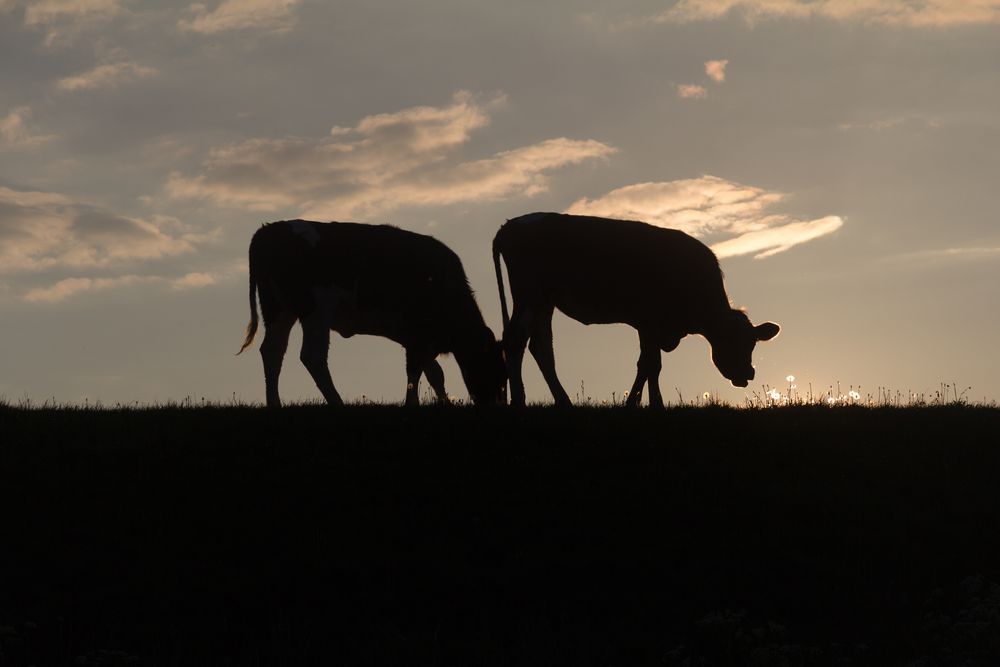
{"points": [[272, 352], [515, 339], [435, 377], [541, 349], [315, 348]]}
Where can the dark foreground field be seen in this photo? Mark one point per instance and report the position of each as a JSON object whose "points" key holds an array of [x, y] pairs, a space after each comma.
{"points": [[380, 535]]}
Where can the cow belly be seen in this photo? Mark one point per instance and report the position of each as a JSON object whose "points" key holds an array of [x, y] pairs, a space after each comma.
{"points": [[341, 309], [595, 308]]}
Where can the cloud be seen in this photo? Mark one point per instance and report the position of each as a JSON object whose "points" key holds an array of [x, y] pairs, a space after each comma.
{"points": [[269, 15], [106, 76], [691, 92], [731, 216], [64, 18], [780, 238], [68, 287], [938, 255], [716, 70], [892, 122], [194, 280], [16, 132], [47, 12], [896, 13], [47, 231], [385, 161]]}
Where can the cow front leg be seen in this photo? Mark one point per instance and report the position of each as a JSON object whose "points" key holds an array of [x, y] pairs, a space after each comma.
{"points": [[315, 347], [635, 394], [415, 363], [649, 367], [272, 353], [435, 377], [648, 360], [515, 339], [541, 349]]}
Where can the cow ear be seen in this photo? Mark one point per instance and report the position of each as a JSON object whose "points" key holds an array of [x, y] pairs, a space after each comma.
{"points": [[766, 331]]}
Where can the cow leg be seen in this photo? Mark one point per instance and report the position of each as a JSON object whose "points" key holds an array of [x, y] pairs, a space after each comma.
{"points": [[435, 377], [541, 349], [415, 364], [649, 367], [515, 338], [635, 394], [272, 353], [648, 359], [315, 347]]}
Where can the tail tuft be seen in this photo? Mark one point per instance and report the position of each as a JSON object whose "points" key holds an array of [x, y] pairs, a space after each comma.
{"points": [[503, 296], [252, 326]]}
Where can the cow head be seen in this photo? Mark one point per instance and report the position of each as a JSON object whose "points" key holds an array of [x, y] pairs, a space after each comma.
{"points": [[484, 371], [733, 338]]}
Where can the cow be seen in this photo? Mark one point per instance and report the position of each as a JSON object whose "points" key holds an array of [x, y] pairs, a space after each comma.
{"points": [[378, 280], [662, 282]]}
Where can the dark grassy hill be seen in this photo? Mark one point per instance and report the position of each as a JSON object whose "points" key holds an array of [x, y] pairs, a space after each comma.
{"points": [[381, 535]]}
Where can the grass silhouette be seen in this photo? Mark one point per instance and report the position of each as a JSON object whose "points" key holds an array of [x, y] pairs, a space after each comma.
{"points": [[803, 535]]}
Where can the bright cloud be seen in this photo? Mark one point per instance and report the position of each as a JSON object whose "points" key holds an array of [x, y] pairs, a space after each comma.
{"points": [[716, 70], [106, 76], [47, 231], [385, 161], [711, 208], [16, 131], [271, 15], [902, 13], [691, 92], [771, 241]]}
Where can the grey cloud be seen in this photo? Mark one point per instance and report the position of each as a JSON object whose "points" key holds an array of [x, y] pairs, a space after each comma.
{"points": [[69, 287], [924, 14], [409, 157], [953, 254], [16, 130], [47, 231], [63, 19], [108, 75], [271, 15]]}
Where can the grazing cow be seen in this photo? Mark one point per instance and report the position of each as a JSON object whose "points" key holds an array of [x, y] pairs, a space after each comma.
{"points": [[663, 282], [368, 279]]}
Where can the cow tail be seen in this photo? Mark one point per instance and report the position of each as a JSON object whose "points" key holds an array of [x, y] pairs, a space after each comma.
{"points": [[252, 326], [503, 296]]}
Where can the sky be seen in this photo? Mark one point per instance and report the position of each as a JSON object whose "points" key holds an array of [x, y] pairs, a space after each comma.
{"points": [[840, 156]]}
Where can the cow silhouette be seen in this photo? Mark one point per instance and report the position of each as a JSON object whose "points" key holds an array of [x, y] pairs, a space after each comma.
{"points": [[368, 279], [662, 282]]}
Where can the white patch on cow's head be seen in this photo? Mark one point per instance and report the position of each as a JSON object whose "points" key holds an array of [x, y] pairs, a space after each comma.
{"points": [[306, 230]]}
